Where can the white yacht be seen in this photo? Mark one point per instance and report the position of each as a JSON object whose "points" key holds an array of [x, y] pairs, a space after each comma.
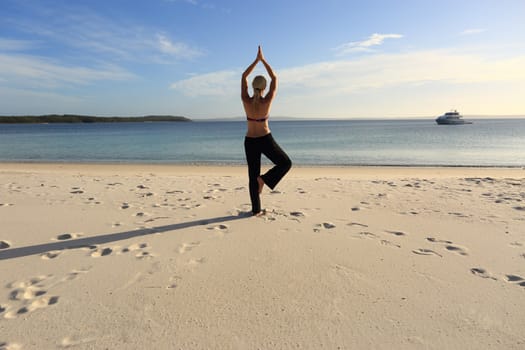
{"points": [[451, 118]]}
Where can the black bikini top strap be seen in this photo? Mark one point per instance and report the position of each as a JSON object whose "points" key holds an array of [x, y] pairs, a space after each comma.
{"points": [[257, 120]]}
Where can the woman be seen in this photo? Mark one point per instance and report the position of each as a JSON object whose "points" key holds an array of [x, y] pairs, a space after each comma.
{"points": [[258, 138]]}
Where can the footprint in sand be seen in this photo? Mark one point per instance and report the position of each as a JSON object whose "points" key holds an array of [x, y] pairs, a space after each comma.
{"points": [[456, 249], [99, 252], [424, 251], [147, 194], [366, 234], [174, 192], [390, 244], [74, 274], [30, 295], [143, 255], [50, 255], [66, 236], [32, 306], [133, 247], [186, 247], [515, 279], [480, 272], [27, 293], [396, 233], [357, 224], [324, 225], [219, 230], [138, 247], [43, 302], [156, 218], [30, 282], [92, 200], [459, 215], [448, 246], [4, 244], [218, 227], [12, 314], [435, 240]]}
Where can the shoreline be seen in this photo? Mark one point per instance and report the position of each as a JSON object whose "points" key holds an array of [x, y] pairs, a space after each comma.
{"points": [[299, 170]]}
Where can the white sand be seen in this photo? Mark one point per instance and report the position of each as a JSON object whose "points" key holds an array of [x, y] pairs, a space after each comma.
{"points": [[165, 257]]}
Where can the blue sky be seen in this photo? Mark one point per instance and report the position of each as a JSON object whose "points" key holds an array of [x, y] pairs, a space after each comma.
{"points": [[334, 58]]}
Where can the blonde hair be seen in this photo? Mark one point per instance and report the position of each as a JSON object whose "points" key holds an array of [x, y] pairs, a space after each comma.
{"points": [[259, 83]]}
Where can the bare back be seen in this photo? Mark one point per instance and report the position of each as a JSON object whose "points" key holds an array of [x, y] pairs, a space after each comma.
{"points": [[257, 108]]}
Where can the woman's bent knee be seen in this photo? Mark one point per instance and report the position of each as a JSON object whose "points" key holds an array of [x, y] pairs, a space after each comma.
{"points": [[287, 164]]}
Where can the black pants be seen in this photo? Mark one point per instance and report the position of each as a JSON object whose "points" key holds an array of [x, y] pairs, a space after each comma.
{"points": [[254, 147]]}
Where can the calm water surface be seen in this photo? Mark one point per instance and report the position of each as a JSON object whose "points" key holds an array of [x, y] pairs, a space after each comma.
{"points": [[496, 142]]}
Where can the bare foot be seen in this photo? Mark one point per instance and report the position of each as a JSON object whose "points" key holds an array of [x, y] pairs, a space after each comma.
{"points": [[261, 183], [261, 213]]}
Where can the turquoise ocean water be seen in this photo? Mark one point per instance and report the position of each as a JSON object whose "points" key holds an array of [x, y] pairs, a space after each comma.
{"points": [[494, 142]]}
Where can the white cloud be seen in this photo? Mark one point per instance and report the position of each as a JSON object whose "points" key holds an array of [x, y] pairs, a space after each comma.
{"points": [[177, 49], [472, 31], [371, 72], [379, 71], [221, 83], [77, 28], [365, 45], [23, 70], [375, 85]]}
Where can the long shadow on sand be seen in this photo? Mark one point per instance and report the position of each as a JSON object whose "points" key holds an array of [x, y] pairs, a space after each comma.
{"points": [[112, 237]]}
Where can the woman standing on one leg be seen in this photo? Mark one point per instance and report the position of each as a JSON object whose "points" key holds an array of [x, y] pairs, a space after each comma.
{"points": [[258, 138]]}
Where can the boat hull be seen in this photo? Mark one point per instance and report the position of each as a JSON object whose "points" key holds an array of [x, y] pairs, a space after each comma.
{"points": [[451, 122]]}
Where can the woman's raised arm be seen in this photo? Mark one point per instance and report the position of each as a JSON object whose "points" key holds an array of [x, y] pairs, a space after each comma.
{"points": [[273, 83], [244, 79]]}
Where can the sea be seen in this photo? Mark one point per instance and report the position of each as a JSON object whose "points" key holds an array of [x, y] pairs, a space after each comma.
{"points": [[495, 142]]}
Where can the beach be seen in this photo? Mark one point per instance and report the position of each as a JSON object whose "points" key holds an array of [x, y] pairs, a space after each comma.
{"points": [[114, 256]]}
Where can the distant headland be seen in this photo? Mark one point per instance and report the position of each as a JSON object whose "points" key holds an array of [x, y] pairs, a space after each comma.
{"points": [[73, 118]]}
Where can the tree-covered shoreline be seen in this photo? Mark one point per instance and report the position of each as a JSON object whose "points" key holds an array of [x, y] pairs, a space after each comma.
{"points": [[73, 118]]}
